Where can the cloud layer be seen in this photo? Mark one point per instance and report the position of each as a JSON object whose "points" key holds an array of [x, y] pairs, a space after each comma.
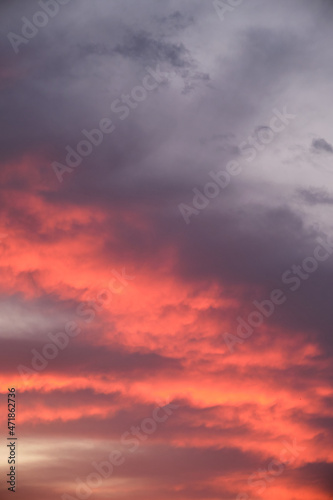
{"points": [[105, 263]]}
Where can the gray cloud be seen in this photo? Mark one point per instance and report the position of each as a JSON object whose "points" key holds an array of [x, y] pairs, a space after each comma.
{"points": [[322, 145]]}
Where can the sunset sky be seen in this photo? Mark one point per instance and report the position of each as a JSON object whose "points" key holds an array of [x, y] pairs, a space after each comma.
{"points": [[166, 245]]}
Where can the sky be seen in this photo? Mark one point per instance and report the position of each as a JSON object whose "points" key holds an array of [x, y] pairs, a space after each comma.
{"points": [[166, 245]]}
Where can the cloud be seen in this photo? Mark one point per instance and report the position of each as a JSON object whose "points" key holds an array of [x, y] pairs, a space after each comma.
{"points": [[161, 337], [316, 196], [317, 472], [322, 145]]}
